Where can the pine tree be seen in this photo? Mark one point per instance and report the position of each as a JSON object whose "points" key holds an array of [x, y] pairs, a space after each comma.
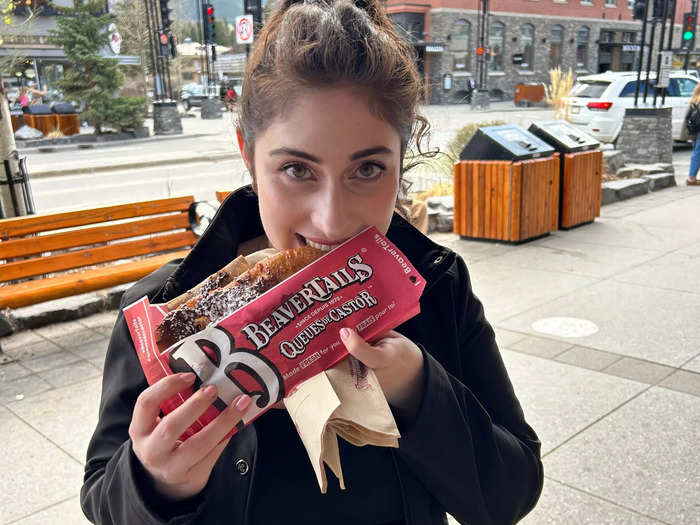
{"points": [[93, 80]]}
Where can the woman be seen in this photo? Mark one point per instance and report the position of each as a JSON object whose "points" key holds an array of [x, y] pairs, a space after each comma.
{"points": [[694, 106], [326, 117]]}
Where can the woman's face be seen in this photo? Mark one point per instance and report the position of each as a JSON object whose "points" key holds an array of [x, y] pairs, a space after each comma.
{"points": [[326, 170]]}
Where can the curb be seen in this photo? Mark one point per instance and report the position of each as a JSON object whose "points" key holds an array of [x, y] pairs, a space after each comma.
{"points": [[619, 190], [210, 157], [53, 148], [60, 310]]}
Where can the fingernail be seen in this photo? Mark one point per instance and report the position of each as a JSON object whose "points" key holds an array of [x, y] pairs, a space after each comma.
{"points": [[344, 333], [187, 378], [210, 391], [242, 402]]}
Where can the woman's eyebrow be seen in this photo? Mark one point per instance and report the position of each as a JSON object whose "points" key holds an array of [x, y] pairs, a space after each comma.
{"points": [[370, 151], [308, 156], [295, 153]]}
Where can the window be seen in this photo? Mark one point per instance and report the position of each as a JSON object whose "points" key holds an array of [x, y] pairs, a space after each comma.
{"points": [[460, 45], [607, 37], [681, 87], [582, 36], [589, 89], [556, 38], [629, 37], [496, 39], [631, 87], [610, 3], [527, 41]]}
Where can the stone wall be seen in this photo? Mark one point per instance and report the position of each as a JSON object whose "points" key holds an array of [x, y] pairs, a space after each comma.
{"points": [[645, 137], [442, 22]]}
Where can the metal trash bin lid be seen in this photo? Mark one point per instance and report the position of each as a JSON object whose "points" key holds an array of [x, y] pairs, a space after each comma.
{"points": [[564, 137], [506, 142]]}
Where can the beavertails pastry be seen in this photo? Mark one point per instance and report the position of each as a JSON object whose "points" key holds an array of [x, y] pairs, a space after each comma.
{"points": [[227, 290]]}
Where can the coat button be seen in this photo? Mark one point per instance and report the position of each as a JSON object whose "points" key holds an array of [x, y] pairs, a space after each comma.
{"points": [[242, 467], [438, 260]]}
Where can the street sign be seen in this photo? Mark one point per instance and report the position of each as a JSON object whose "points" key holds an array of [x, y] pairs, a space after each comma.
{"points": [[244, 29], [666, 60]]}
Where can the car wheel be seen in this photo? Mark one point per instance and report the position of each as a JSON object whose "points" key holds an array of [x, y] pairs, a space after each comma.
{"points": [[187, 105]]}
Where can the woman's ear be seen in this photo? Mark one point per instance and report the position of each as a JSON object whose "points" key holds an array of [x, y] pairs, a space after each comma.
{"points": [[241, 147], [246, 161]]}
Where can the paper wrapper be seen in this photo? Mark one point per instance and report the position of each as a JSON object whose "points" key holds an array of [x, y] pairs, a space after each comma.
{"points": [[347, 401], [289, 335]]}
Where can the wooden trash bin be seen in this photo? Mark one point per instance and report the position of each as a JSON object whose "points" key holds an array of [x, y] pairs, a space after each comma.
{"points": [[44, 123], [581, 188], [68, 124], [581, 171], [509, 201]]}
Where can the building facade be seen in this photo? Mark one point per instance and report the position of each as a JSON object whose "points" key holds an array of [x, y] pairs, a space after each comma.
{"points": [[524, 40]]}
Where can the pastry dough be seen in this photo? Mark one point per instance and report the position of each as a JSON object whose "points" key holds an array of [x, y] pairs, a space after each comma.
{"points": [[229, 289]]}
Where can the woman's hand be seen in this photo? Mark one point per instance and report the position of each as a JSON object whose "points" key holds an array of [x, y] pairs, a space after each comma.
{"points": [[180, 469], [398, 364]]}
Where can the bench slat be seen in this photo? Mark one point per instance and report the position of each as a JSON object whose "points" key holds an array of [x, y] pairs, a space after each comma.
{"points": [[19, 226], [100, 254], [83, 237], [32, 292]]}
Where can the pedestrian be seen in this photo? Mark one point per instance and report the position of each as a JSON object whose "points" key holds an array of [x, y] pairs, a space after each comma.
{"points": [[35, 95], [230, 98], [327, 116], [692, 120], [23, 97]]}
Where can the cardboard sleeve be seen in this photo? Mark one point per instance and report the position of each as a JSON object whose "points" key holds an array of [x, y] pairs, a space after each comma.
{"points": [[288, 334]]}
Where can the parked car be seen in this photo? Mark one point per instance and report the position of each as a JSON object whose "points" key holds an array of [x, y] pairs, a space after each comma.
{"points": [[597, 102], [192, 95]]}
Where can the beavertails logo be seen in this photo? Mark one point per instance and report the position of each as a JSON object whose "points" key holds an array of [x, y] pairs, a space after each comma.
{"points": [[317, 290]]}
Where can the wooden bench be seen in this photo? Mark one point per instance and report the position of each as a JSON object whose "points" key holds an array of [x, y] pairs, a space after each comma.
{"points": [[44, 257]]}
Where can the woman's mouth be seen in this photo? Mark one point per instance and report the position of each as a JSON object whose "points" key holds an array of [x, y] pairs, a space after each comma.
{"points": [[321, 244]]}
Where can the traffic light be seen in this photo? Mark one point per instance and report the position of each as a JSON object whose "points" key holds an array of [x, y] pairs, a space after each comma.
{"points": [[254, 7], [164, 44], [209, 24], [165, 11], [480, 51], [660, 9], [688, 32], [639, 9]]}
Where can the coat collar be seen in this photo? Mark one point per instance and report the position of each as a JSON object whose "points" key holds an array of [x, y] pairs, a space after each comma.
{"points": [[238, 220]]}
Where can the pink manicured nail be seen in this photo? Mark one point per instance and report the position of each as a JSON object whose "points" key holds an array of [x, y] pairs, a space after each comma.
{"points": [[187, 378], [344, 333], [210, 391], [242, 402]]}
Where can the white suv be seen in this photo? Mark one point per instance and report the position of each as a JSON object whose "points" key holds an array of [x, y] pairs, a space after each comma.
{"points": [[597, 103]]}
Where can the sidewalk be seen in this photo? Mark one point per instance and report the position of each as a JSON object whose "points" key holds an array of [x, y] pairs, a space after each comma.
{"points": [[598, 329]]}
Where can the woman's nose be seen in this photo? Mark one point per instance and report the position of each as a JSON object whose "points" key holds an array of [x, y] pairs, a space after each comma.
{"points": [[332, 211]]}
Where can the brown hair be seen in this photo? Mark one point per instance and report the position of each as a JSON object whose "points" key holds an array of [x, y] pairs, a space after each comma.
{"points": [[324, 43], [695, 97]]}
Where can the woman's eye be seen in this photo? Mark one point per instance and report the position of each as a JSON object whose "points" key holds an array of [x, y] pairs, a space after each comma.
{"points": [[296, 171], [369, 170]]}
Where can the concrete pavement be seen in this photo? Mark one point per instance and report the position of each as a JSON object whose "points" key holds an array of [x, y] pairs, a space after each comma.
{"points": [[599, 330]]}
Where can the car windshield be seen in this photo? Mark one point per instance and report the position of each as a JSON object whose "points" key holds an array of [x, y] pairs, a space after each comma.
{"points": [[589, 88]]}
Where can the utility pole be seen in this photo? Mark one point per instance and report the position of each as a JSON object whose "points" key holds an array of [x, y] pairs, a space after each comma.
{"points": [[481, 98], [694, 11], [162, 46]]}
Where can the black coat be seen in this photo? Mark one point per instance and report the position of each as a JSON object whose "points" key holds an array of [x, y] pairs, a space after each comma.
{"points": [[469, 452]]}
